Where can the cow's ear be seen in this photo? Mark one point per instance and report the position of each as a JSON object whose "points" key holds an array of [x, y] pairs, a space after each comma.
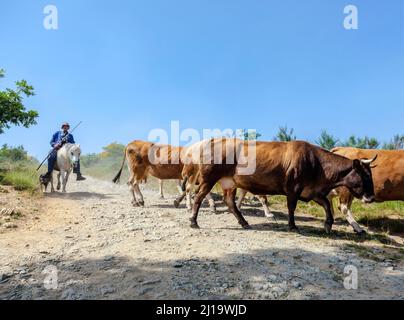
{"points": [[356, 164]]}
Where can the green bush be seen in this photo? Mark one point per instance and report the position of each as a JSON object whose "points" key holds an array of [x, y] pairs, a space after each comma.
{"points": [[21, 180], [18, 169]]}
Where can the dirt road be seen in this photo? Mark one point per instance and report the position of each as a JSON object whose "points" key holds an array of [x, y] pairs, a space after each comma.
{"points": [[91, 244]]}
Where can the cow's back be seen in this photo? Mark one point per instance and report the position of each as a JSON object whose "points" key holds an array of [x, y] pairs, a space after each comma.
{"points": [[388, 173], [280, 165], [140, 159]]}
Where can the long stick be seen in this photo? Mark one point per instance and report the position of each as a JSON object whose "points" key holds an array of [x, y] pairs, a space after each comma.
{"points": [[50, 152]]}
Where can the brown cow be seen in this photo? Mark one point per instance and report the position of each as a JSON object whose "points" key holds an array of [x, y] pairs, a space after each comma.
{"points": [[388, 178], [160, 161], [296, 169]]}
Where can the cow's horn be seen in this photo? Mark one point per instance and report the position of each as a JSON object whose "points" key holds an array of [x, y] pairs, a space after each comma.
{"points": [[369, 161]]}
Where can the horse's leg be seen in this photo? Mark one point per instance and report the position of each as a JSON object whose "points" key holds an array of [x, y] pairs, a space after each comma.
{"points": [[51, 181], [66, 177], [58, 177], [63, 176]]}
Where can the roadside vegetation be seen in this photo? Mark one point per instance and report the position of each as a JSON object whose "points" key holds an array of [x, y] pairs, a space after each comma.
{"points": [[17, 169]]}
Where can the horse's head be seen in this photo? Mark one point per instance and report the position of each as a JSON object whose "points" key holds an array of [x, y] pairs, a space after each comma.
{"points": [[74, 154]]}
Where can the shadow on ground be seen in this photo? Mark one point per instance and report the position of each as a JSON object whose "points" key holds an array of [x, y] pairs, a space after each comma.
{"points": [[77, 195], [259, 274]]}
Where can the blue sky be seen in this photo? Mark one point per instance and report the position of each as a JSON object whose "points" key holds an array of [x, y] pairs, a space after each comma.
{"points": [[126, 67]]}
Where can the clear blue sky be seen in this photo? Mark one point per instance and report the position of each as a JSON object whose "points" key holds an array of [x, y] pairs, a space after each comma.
{"points": [[126, 67]]}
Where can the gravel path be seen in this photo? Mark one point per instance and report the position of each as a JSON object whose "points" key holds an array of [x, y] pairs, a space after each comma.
{"points": [[91, 244]]}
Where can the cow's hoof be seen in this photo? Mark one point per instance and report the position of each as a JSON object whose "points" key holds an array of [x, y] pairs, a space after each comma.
{"points": [[194, 225], [294, 229], [246, 226], [361, 233], [328, 228], [270, 216], [58, 188], [141, 203], [161, 197], [176, 203], [213, 209], [135, 204]]}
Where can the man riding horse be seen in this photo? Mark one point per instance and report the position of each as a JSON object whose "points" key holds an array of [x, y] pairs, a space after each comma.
{"points": [[59, 139]]}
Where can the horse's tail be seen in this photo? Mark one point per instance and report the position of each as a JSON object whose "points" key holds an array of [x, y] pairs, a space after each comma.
{"points": [[118, 176]]}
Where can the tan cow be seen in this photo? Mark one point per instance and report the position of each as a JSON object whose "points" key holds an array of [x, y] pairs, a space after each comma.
{"points": [[388, 178], [147, 158], [297, 169]]}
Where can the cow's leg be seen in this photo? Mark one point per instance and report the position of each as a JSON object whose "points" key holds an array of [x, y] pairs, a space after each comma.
{"points": [[161, 189], [134, 202], [329, 220], [292, 203], [187, 193], [189, 200], [138, 193], [264, 202], [58, 177], [241, 198], [212, 204], [179, 186], [203, 190], [65, 179], [179, 198], [230, 197], [345, 207]]}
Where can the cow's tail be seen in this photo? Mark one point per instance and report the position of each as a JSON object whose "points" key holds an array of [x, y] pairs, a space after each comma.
{"points": [[118, 176]]}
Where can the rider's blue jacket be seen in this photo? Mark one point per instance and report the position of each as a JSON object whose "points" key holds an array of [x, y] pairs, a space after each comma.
{"points": [[58, 136]]}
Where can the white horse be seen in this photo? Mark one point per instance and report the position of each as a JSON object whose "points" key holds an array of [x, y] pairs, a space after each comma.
{"points": [[67, 158]]}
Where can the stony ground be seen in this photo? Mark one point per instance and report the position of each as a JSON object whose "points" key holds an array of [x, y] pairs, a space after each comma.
{"points": [[91, 244]]}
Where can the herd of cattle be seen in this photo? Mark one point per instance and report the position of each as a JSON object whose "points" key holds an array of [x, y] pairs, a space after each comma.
{"points": [[296, 169]]}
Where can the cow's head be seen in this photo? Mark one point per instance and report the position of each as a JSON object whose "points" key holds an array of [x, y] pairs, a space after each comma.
{"points": [[359, 181], [74, 154]]}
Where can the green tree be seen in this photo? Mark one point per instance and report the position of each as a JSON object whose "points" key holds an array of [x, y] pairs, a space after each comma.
{"points": [[12, 109], [327, 141], [250, 135], [284, 134], [13, 153], [395, 144], [362, 143], [113, 150]]}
